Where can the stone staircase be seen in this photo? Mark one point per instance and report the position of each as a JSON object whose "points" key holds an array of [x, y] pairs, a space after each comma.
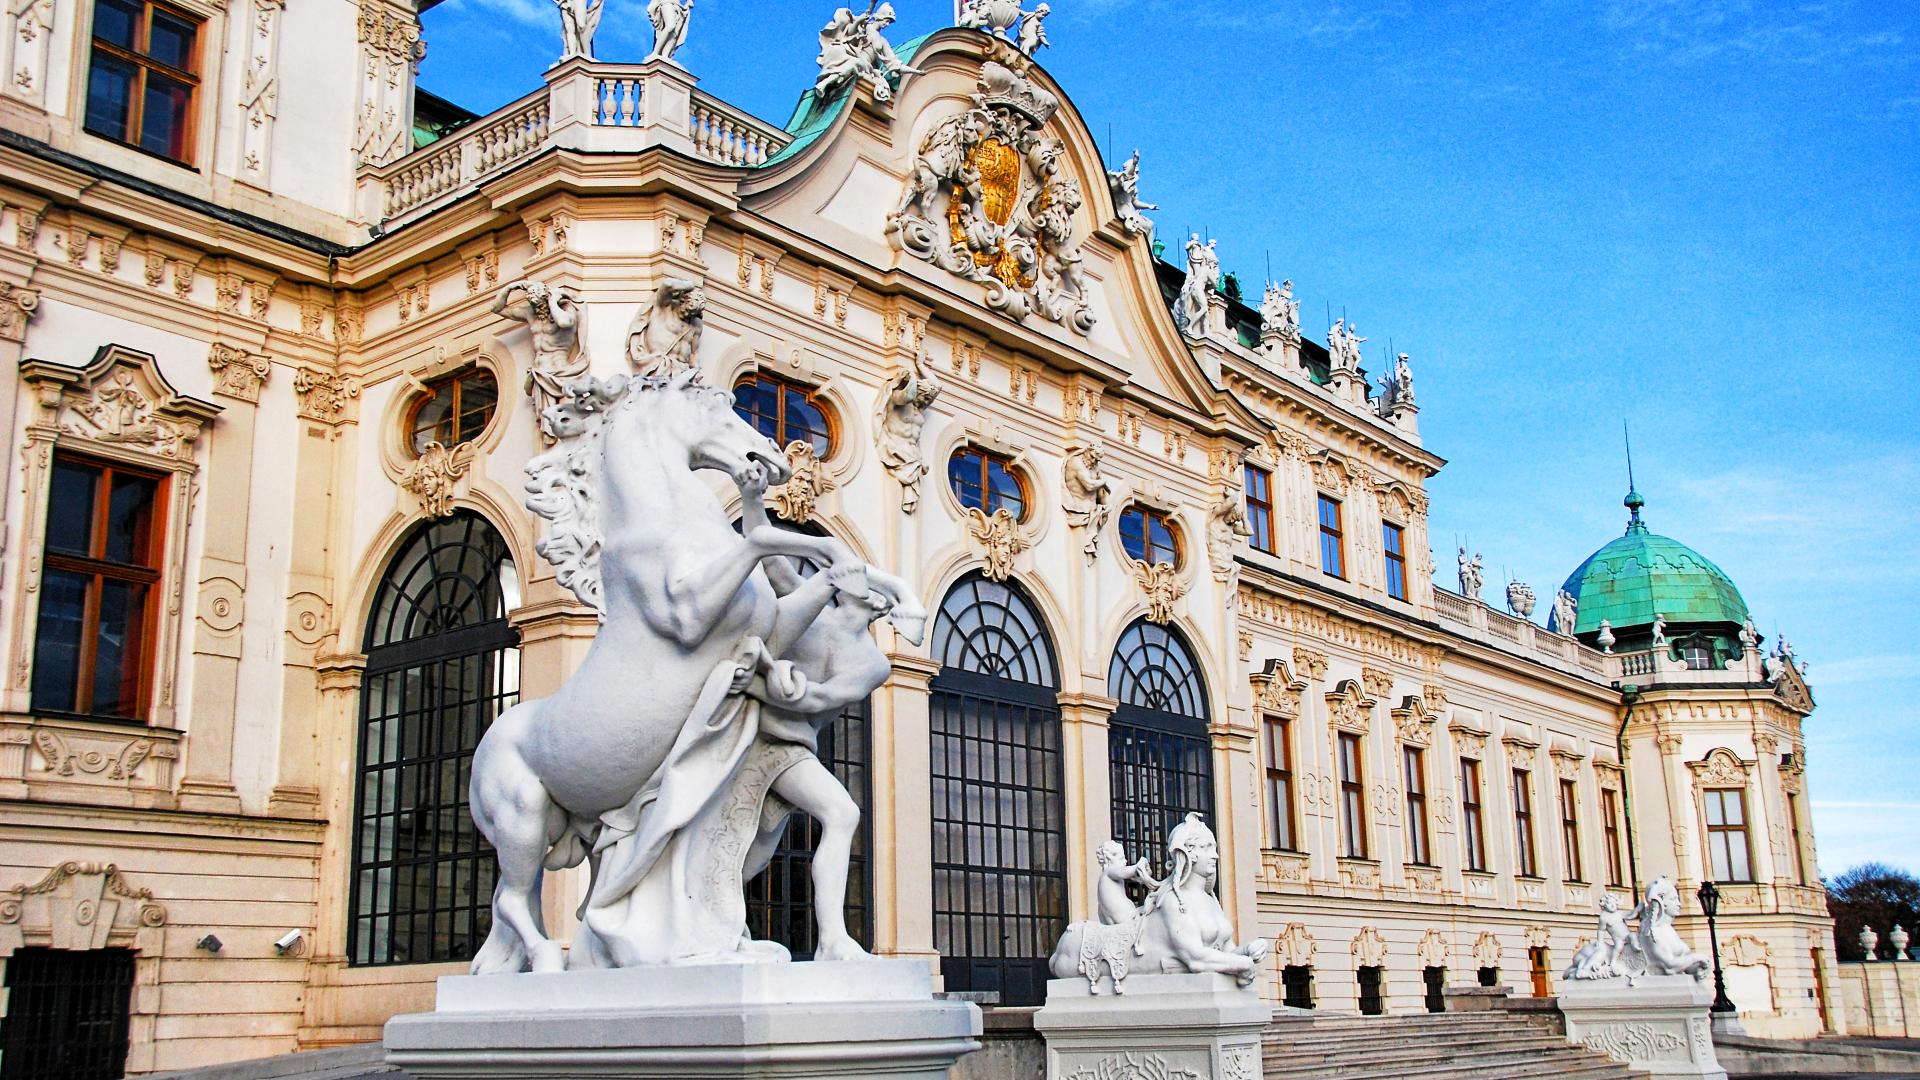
{"points": [[1430, 1046]]}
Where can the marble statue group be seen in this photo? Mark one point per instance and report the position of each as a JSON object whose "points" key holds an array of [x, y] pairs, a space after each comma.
{"points": [[1652, 947], [744, 641]]}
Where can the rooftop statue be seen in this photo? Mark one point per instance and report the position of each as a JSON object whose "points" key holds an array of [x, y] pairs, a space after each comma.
{"points": [[1203, 275], [578, 21], [670, 19], [1280, 312], [853, 50], [1472, 575], [1343, 345], [677, 795], [997, 17], [1181, 926], [1124, 183], [1402, 382], [1566, 612], [1652, 948], [552, 316], [1009, 217]]}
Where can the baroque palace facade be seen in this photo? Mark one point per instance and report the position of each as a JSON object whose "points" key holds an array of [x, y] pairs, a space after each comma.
{"points": [[268, 569]]}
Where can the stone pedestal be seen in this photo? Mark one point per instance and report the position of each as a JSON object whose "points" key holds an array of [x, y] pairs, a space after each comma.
{"points": [[1204, 1026], [1657, 1025], [799, 1021]]}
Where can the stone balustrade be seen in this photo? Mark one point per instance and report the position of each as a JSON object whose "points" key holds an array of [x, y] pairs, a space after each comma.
{"points": [[586, 106]]}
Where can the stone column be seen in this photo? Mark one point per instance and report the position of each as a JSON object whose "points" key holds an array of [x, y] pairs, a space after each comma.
{"points": [[1087, 784], [218, 631], [322, 469], [902, 810]]}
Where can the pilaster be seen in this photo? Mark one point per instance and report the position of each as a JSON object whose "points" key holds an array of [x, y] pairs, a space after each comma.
{"points": [[1087, 780], [902, 810]]}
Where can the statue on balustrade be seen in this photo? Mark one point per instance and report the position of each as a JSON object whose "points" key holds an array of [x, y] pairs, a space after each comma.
{"points": [[579, 19], [670, 19]]}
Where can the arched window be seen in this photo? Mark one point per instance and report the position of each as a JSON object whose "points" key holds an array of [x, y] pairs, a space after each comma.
{"points": [[1160, 757], [784, 411], [999, 812], [780, 899], [442, 662]]}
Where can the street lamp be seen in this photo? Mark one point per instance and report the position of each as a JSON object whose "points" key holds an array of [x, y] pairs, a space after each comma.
{"points": [[1710, 903]]}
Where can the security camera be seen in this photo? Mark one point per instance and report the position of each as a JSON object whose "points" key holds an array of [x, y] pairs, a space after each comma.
{"points": [[289, 942], [209, 943]]}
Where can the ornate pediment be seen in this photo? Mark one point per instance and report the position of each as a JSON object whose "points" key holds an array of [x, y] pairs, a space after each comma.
{"points": [[1791, 688], [1721, 768], [1412, 722], [1276, 691], [1349, 709], [79, 906], [989, 200], [120, 399]]}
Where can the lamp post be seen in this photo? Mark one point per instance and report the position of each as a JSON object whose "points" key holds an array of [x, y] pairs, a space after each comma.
{"points": [[1710, 903]]}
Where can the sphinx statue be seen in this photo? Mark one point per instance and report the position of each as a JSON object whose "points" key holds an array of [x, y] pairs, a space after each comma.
{"points": [[1651, 948]]}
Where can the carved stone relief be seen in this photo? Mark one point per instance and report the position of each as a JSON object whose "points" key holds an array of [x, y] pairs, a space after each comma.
{"points": [[390, 54], [81, 906], [240, 374], [29, 30], [1311, 665], [324, 396], [434, 475], [1348, 709], [1161, 585], [796, 499], [998, 535], [17, 305], [1434, 949], [1294, 946], [1486, 950]]}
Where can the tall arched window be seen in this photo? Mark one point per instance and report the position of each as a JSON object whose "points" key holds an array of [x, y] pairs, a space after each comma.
{"points": [[1159, 754], [780, 899], [442, 662], [999, 814]]}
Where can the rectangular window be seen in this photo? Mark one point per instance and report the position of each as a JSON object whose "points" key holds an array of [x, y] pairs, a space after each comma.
{"points": [[1260, 507], [1523, 823], [1570, 830], [1372, 979], [67, 1013], [1333, 556], [1727, 834], [1353, 798], [93, 651], [1799, 852], [1415, 760], [1280, 832], [142, 76], [1296, 986], [1393, 540], [1610, 823], [1435, 979], [1471, 831]]}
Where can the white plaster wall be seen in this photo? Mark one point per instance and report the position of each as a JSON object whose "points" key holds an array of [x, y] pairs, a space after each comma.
{"points": [[277, 438], [313, 135]]}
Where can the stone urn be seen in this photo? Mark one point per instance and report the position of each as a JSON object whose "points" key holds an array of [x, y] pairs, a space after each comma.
{"points": [[1898, 939], [1869, 941]]}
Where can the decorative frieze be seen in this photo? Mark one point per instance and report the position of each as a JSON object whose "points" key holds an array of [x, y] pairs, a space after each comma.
{"points": [[80, 906]]}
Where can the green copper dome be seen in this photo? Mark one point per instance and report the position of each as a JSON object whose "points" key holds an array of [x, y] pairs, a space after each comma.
{"points": [[1642, 574]]}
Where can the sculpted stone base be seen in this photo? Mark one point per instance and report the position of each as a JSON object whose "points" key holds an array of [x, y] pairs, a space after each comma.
{"points": [[1182, 1027], [1658, 1025], [799, 1021]]}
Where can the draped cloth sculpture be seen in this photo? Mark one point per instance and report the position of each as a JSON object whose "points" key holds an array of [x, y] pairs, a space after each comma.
{"points": [[675, 796], [1181, 926]]}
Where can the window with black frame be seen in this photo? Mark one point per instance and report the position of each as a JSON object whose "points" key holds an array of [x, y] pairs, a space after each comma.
{"points": [[1159, 754], [67, 1014], [999, 812], [442, 663]]}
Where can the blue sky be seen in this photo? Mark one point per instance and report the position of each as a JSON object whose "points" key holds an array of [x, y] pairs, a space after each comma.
{"points": [[1702, 216]]}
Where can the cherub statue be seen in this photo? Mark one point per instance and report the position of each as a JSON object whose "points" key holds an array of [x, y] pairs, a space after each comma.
{"points": [[579, 19], [1089, 495], [898, 420], [1115, 906], [1598, 959], [552, 316], [1124, 183], [670, 19], [1033, 32], [1659, 629]]}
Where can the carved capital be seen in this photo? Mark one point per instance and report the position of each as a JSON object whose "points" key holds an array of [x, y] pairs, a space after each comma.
{"points": [[1311, 665], [324, 396], [240, 374], [17, 305]]}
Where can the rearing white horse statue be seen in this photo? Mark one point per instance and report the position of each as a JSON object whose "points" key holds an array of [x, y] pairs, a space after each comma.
{"points": [[650, 760]]}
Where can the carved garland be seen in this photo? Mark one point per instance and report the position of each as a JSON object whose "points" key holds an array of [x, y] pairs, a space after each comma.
{"points": [[1412, 723], [1348, 709]]}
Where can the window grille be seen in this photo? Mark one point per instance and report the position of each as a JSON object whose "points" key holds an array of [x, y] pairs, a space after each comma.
{"points": [[1372, 1000], [1296, 985], [999, 813], [442, 662], [1159, 754], [1435, 979], [66, 1014]]}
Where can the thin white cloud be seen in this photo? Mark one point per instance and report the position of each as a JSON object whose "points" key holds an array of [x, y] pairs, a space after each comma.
{"points": [[1696, 30], [1858, 670], [1851, 833], [530, 12]]}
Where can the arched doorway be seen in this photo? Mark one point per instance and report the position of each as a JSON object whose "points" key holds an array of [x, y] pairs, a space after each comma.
{"points": [[999, 816], [1159, 754], [780, 899], [442, 662]]}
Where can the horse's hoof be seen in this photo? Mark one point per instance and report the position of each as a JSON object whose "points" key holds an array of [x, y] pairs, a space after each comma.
{"points": [[547, 957]]}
